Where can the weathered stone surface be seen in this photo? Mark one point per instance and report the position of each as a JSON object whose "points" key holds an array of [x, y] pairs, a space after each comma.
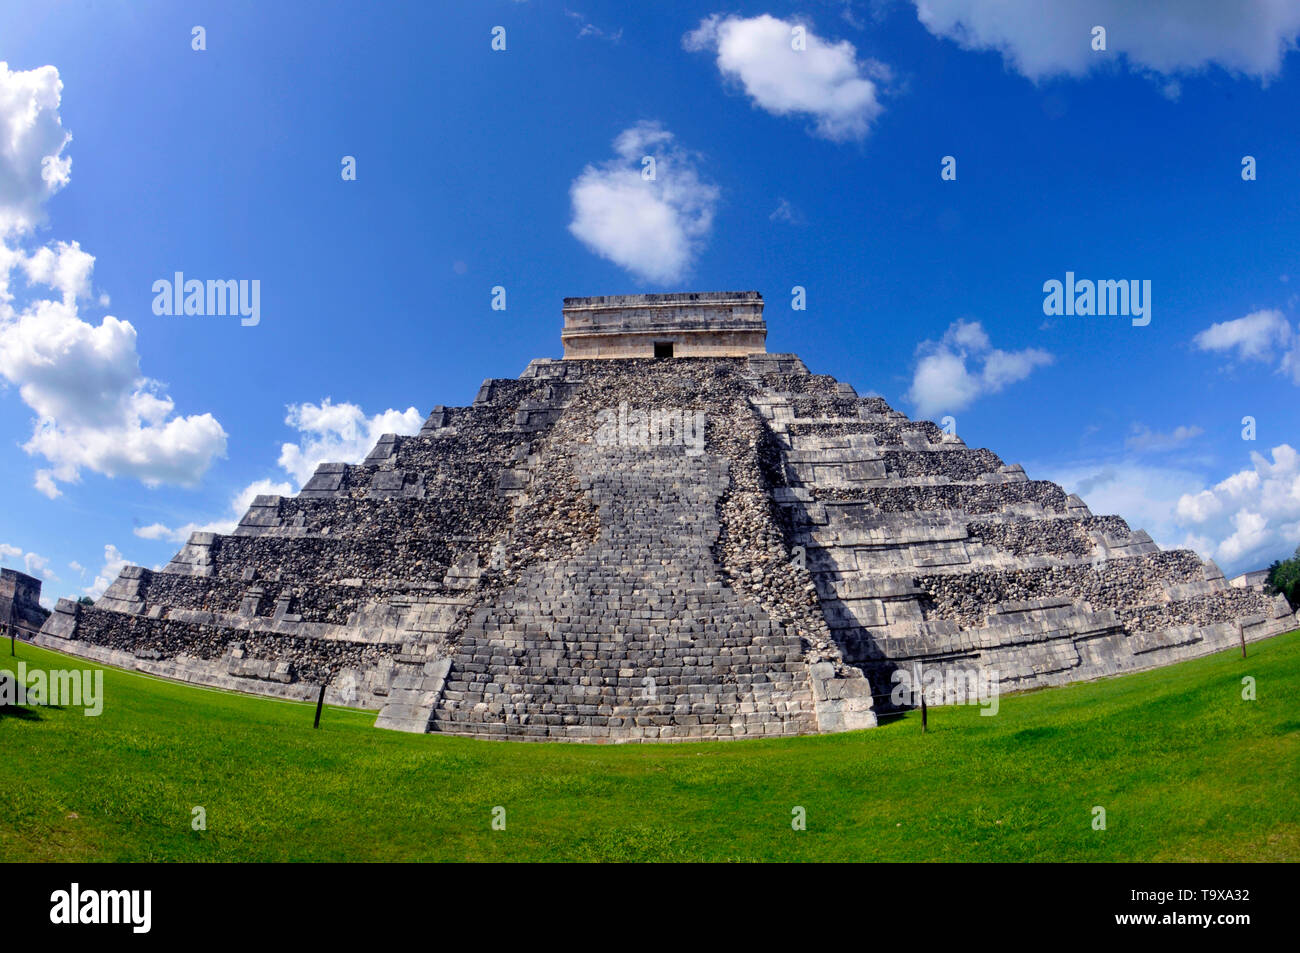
{"points": [[708, 324], [624, 549], [20, 602]]}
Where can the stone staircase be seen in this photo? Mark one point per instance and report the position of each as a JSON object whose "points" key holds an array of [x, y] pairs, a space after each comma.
{"points": [[638, 638], [415, 690]]}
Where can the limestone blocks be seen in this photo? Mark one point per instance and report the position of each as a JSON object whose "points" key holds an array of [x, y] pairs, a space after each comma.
{"points": [[814, 543]]}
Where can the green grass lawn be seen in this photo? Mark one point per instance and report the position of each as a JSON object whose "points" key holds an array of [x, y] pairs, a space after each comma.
{"points": [[1185, 768]]}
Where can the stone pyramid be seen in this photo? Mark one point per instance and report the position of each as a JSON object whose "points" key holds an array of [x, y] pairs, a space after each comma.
{"points": [[667, 534]]}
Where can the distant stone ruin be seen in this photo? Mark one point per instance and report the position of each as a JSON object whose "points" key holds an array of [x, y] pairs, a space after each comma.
{"points": [[20, 603], [521, 570]]}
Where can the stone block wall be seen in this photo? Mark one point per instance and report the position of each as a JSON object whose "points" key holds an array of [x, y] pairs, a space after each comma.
{"points": [[946, 557], [20, 602], [521, 569], [708, 324]]}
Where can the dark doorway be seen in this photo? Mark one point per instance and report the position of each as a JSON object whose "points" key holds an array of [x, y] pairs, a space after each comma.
{"points": [[663, 348]]}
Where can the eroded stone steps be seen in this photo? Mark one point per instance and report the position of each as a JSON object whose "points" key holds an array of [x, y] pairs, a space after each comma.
{"points": [[350, 612], [153, 638], [411, 558], [876, 630], [453, 515], [414, 694], [591, 638], [473, 479]]}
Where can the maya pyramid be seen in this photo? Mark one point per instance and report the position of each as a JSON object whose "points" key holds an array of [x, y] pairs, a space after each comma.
{"points": [[667, 534]]}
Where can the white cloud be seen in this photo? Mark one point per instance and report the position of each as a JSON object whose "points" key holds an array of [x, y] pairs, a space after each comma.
{"points": [[38, 565], [1145, 495], [34, 564], [1263, 336], [339, 433], [1007, 367], [114, 563], [652, 227], [239, 505], [1165, 37], [967, 334], [334, 433], [64, 267], [32, 139], [94, 409], [941, 382], [952, 373], [1143, 438], [1244, 521], [1254, 514], [823, 80], [1256, 337], [1249, 534]]}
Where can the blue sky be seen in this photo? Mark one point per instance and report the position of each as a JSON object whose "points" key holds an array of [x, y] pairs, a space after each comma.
{"points": [[776, 167]]}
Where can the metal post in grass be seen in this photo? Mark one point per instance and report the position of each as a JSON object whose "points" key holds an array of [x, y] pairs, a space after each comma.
{"points": [[12, 630], [1242, 629], [320, 703], [920, 682]]}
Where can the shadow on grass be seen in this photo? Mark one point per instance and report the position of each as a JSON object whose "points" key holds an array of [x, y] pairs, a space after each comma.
{"points": [[891, 716], [20, 712]]}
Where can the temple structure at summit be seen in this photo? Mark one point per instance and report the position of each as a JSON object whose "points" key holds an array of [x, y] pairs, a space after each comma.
{"points": [[707, 324]]}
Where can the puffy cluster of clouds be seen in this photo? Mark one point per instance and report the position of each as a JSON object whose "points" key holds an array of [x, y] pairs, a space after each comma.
{"points": [[651, 220], [789, 73], [94, 408], [32, 139], [339, 432], [1144, 493], [1263, 337], [114, 563], [330, 432], [33, 564], [963, 365], [1243, 521], [1254, 514], [239, 505], [1165, 37]]}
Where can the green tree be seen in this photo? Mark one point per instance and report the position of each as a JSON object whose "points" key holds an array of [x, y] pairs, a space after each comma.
{"points": [[1284, 577]]}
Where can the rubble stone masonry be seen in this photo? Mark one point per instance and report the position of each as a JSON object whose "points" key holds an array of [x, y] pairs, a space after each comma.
{"points": [[507, 574]]}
